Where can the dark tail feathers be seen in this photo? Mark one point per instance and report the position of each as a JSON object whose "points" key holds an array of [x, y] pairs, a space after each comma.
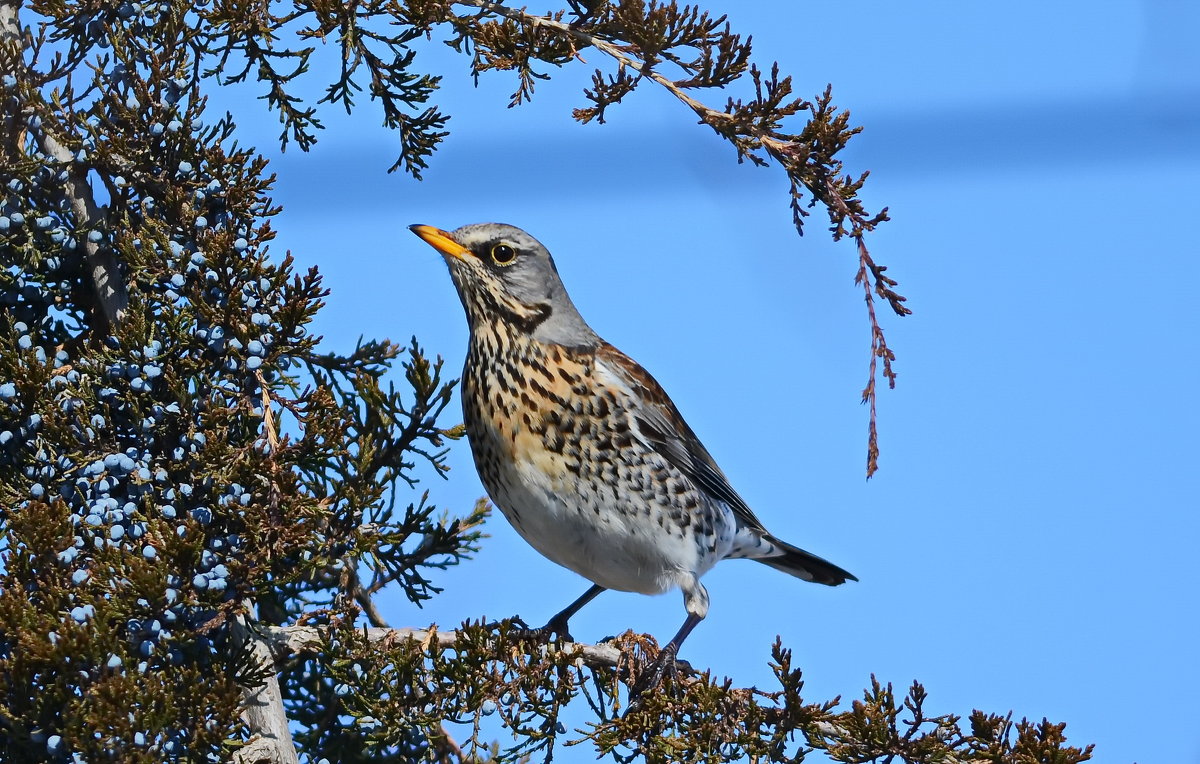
{"points": [[801, 564]]}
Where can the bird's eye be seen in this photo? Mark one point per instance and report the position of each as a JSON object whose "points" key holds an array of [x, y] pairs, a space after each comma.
{"points": [[502, 254]]}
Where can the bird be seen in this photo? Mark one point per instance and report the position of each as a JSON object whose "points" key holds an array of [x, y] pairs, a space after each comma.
{"points": [[582, 450]]}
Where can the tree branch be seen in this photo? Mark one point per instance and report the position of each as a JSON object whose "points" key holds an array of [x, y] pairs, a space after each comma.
{"points": [[264, 713], [104, 273], [297, 640], [817, 173]]}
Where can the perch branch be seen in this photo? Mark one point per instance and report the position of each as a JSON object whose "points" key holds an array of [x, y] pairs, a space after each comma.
{"points": [[297, 640]]}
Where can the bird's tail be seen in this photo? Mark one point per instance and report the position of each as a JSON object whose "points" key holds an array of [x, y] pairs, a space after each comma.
{"points": [[801, 564]]}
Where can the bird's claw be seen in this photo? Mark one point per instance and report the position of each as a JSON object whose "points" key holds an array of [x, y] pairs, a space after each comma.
{"points": [[665, 666], [514, 625], [547, 633], [557, 627]]}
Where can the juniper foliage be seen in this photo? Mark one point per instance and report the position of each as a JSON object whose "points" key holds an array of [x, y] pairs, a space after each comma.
{"points": [[186, 475]]}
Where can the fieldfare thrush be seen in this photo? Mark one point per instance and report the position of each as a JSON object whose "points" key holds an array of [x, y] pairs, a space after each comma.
{"points": [[580, 447]]}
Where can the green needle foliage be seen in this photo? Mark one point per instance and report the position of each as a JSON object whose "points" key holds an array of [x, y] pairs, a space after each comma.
{"points": [[187, 478]]}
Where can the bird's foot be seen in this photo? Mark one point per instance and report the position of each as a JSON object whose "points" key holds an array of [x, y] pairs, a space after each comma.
{"points": [[666, 666], [556, 627]]}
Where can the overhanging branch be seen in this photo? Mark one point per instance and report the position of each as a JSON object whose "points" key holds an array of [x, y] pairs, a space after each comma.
{"points": [[755, 130]]}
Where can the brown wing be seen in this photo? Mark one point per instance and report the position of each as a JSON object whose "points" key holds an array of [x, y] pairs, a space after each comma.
{"points": [[661, 425]]}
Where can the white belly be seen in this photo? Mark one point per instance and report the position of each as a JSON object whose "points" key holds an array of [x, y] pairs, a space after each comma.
{"points": [[585, 527]]}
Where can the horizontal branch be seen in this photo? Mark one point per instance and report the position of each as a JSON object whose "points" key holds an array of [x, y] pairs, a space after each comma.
{"points": [[285, 641], [610, 49], [297, 640]]}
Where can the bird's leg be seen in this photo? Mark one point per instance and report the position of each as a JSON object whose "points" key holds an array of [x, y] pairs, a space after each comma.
{"points": [[664, 665], [558, 624]]}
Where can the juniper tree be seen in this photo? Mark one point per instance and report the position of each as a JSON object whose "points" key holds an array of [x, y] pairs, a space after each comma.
{"points": [[198, 502]]}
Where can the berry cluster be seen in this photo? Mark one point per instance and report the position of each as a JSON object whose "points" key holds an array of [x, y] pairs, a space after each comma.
{"points": [[136, 458], [186, 458]]}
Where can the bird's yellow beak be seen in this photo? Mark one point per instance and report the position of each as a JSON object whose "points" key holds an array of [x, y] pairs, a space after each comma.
{"points": [[442, 241]]}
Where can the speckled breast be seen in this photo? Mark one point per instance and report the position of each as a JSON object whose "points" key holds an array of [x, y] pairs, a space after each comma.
{"points": [[532, 416], [555, 451]]}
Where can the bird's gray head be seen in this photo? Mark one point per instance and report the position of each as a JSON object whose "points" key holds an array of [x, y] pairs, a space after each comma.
{"points": [[504, 274]]}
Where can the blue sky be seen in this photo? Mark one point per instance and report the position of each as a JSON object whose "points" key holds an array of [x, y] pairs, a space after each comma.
{"points": [[1029, 541]]}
